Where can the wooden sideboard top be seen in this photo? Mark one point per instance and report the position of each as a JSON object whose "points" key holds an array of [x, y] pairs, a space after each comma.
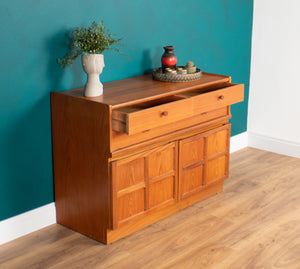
{"points": [[135, 90]]}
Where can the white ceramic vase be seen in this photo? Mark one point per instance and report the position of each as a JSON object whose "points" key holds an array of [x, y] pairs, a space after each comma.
{"points": [[93, 65]]}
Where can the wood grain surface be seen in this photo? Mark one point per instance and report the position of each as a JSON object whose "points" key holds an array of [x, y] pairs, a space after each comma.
{"points": [[80, 136], [141, 89], [253, 223]]}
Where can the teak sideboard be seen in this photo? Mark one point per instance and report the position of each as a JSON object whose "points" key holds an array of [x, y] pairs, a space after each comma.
{"points": [[140, 152]]}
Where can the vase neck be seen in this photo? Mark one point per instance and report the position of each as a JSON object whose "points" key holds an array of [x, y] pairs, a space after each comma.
{"points": [[169, 48]]}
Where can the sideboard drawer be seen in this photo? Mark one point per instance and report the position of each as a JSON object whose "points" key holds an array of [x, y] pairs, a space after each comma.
{"points": [[145, 116], [148, 115], [214, 98]]}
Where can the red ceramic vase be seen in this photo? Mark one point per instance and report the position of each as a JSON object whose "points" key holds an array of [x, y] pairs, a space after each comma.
{"points": [[168, 59]]}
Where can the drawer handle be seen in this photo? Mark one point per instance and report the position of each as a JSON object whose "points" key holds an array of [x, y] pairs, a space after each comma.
{"points": [[221, 97], [164, 114]]}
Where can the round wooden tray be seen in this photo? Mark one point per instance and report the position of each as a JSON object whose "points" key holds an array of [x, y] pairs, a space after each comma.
{"points": [[158, 74]]}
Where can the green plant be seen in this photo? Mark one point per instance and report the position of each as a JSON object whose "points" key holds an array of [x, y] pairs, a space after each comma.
{"points": [[94, 39]]}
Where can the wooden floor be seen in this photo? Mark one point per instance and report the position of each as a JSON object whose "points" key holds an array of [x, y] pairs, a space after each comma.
{"points": [[253, 223]]}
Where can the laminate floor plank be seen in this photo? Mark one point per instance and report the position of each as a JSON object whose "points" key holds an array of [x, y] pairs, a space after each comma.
{"points": [[253, 223]]}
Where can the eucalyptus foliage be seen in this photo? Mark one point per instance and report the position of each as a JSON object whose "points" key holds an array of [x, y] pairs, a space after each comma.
{"points": [[94, 39]]}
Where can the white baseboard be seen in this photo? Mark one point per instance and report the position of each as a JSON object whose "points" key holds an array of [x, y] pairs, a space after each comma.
{"points": [[238, 142], [27, 222], [273, 144]]}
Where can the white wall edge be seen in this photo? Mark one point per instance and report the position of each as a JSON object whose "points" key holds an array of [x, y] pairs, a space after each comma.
{"points": [[238, 142], [273, 144], [27, 222]]}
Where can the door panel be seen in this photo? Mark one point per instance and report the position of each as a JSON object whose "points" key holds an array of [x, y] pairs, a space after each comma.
{"points": [[217, 142], [131, 204], [192, 150], [161, 161], [161, 191], [192, 180], [216, 169], [130, 173]]}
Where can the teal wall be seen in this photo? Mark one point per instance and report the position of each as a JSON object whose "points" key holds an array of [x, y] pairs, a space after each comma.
{"points": [[215, 34]]}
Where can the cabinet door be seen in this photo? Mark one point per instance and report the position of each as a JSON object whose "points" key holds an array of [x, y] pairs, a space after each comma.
{"points": [[143, 182], [203, 160]]}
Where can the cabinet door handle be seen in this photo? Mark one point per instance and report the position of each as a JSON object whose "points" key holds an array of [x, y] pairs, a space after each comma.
{"points": [[164, 114], [221, 97]]}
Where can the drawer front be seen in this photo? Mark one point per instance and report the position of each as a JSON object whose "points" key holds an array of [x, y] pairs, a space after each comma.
{"points": [[218, 98], [141, 120], [138, 119]]}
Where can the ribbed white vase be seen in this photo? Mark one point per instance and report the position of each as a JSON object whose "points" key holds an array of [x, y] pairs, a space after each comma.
{"points": [[93, 65]]}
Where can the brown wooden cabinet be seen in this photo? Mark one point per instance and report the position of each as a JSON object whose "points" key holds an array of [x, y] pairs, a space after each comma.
{"points": [[140, 152]]}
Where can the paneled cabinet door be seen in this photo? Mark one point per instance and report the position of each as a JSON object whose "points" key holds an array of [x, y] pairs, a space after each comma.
{"points": [[203, 159], [143, 182]]}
